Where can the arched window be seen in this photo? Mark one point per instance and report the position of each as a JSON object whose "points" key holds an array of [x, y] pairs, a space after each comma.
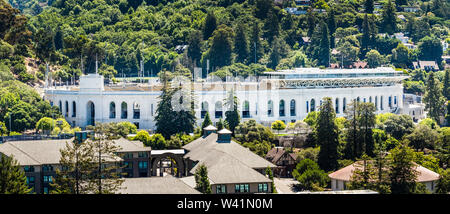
{"points": [[246, 109], [307, 106], [124, 110], [344, 104], [270, 108], [112, 110], [219, 112], [281, 110], [136, 110], [381, 103], [74, 109], [390, 101], [337, 105], [313, 105], [376, 102], [395, 100], [66, 105], [370, 99], [292, 107], [357, 99], [205, 109], [364, 99], [90, 110], [60, 106]]}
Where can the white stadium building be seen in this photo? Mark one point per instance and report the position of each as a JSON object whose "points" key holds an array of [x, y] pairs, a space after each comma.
{"points": [[287, 95]]}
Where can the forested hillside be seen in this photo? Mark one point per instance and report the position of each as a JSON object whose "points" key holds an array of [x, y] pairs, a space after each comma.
{"points": [[228, 32]]}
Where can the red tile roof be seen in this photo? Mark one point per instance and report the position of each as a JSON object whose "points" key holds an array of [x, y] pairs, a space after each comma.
{"points": [[345, 173]]}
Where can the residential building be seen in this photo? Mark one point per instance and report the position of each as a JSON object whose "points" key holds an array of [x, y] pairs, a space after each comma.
{"points": [[341, 177], [156, 185], [426, 65], [284, 161], [231, 167]]}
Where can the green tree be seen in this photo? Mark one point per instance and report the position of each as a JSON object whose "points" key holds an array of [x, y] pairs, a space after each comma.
{"points": [[324, 48], [221, 46], [232, 114], [206, 122], [400, 56], [398, 125], [327, 136], [270, 175], [423, 137], [157, 141], [12, 178], [194, 51], [256, 50], [374, 58], [45, 125], [331, 23], [430, 48], [368, 6], [310, 176], [210, 25], [434, 101], [389, 22], [202, 180], [143, 136], [446, 88], [278, 125], [443, 185], [77, 165], [402, 170], [256, 137], [241, 44]]}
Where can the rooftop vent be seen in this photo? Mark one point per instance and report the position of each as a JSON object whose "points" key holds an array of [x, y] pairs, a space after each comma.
{"points": [[208, 130], [224, 136]]}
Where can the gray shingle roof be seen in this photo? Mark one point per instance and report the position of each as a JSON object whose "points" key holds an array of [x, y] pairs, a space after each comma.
{"points": [[227, 162], [156, 185], [38, 152]]}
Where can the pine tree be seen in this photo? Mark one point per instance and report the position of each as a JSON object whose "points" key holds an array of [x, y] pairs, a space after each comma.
{"points": [[270, 175], [206, 122], [12, 178], [402, 170], [365, 40], [232, 116], [221, 47], [241, 44], [446, 88], [194, 51], [367, 123], [389, 23], [271, 26], [327, 136], [434, 101], [209, 26], [77, 166], [352, 134], [106, 178], [368, 6], [256, 51], [201, 180], [324, 48], [331, 23]]}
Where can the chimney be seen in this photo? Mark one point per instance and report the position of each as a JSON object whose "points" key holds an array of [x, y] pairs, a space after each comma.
{"points": [[224, 136], [208, 130]]}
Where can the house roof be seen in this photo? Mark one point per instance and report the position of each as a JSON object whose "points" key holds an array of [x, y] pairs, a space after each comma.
{"points": [[210, 128], [225, 131], [223, 169], [156, 185], [276, 153], [227, 162], [38, 152], [201, 147], [428, 63], [345, 173]]}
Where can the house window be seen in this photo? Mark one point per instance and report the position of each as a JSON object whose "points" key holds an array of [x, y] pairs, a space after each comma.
{"points": [[48, 179], [30, 180], [74, 109], [45, 190], [241, 188], [337, 105], [136, 111], [313, 105], [128, 165], [28, 168], [221, 189], [124, 113], [128, 155], [263, 187], [47, 168], [143, 165], [143, 154]]}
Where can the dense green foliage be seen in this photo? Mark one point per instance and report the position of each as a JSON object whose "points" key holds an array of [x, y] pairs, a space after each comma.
{"points": [[12, 178]]}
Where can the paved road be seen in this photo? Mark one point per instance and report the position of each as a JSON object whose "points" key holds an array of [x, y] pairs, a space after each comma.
{"points": [[285, 185]]}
